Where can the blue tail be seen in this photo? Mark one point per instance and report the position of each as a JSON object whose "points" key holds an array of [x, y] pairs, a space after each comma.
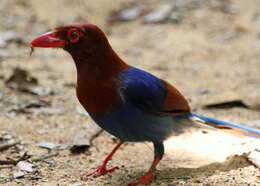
{"points": [[226, 125]]}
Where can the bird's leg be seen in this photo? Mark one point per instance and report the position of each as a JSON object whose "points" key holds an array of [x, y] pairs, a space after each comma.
{"points": [[148, 176], [101, 169]]}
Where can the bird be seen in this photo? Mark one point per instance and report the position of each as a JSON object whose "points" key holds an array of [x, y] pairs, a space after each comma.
{"points": [[130, 103]]}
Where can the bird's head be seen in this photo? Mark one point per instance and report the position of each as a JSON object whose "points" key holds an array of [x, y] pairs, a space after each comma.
{"points": [[79, 39], [87, 45]]}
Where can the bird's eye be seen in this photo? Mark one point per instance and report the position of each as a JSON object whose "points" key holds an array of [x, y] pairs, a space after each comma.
{"points": [[73, 35]]}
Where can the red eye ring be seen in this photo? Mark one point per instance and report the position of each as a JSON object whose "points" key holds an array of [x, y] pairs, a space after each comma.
{"points": [[73, 35]]}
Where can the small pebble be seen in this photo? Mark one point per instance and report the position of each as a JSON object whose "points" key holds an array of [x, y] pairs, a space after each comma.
{"points": [[76, 184], [159, 15], [47, 145], [18, 174], [26, 166]]}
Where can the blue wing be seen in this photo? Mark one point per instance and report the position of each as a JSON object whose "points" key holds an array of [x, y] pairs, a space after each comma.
{"points": [[150, 94], [142, 89]]}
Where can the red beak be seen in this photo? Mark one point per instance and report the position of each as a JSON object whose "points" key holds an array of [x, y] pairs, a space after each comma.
{"points": [[49, 40]]}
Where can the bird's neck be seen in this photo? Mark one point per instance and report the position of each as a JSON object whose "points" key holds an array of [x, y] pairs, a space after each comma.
{"points": [[103, 64], [97, 79]]}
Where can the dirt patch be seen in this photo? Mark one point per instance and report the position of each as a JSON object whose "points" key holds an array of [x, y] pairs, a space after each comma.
{"points": [[208, 49]]}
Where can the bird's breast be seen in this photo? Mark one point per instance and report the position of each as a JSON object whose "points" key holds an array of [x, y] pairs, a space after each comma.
{"points": [[97, 96]]}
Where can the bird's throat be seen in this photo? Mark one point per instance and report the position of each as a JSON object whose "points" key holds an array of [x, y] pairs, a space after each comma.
{"points": [[97, 81]]}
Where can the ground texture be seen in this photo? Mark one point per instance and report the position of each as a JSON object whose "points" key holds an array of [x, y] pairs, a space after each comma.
{"points": [[209, 49]]}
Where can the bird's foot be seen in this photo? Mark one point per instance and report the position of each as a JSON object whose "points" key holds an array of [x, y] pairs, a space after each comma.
{"points": [[146, 178], [101, 170]]}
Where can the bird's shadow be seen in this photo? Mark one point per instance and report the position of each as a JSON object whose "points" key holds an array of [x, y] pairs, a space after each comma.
{"points": [[171, 174]]}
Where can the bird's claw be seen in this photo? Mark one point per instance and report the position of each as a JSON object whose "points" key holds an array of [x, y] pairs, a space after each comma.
{"points": [[101, 170], [146, 179]]}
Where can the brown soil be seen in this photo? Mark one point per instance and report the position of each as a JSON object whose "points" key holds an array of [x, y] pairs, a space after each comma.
{"points": [[211, 55]]}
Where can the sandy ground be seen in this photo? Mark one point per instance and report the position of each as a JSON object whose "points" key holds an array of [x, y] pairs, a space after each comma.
{"points": [[211, 54]]}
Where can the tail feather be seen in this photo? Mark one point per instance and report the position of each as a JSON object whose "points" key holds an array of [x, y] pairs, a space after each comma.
{"points": [[225, 125]]}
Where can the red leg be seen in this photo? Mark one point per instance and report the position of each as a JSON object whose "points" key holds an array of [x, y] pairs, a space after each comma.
{"points": [[148, 176], [101, 169]]}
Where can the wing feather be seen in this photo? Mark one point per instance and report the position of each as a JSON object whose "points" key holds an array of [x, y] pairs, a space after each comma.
{"points": [[151, 94]]}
